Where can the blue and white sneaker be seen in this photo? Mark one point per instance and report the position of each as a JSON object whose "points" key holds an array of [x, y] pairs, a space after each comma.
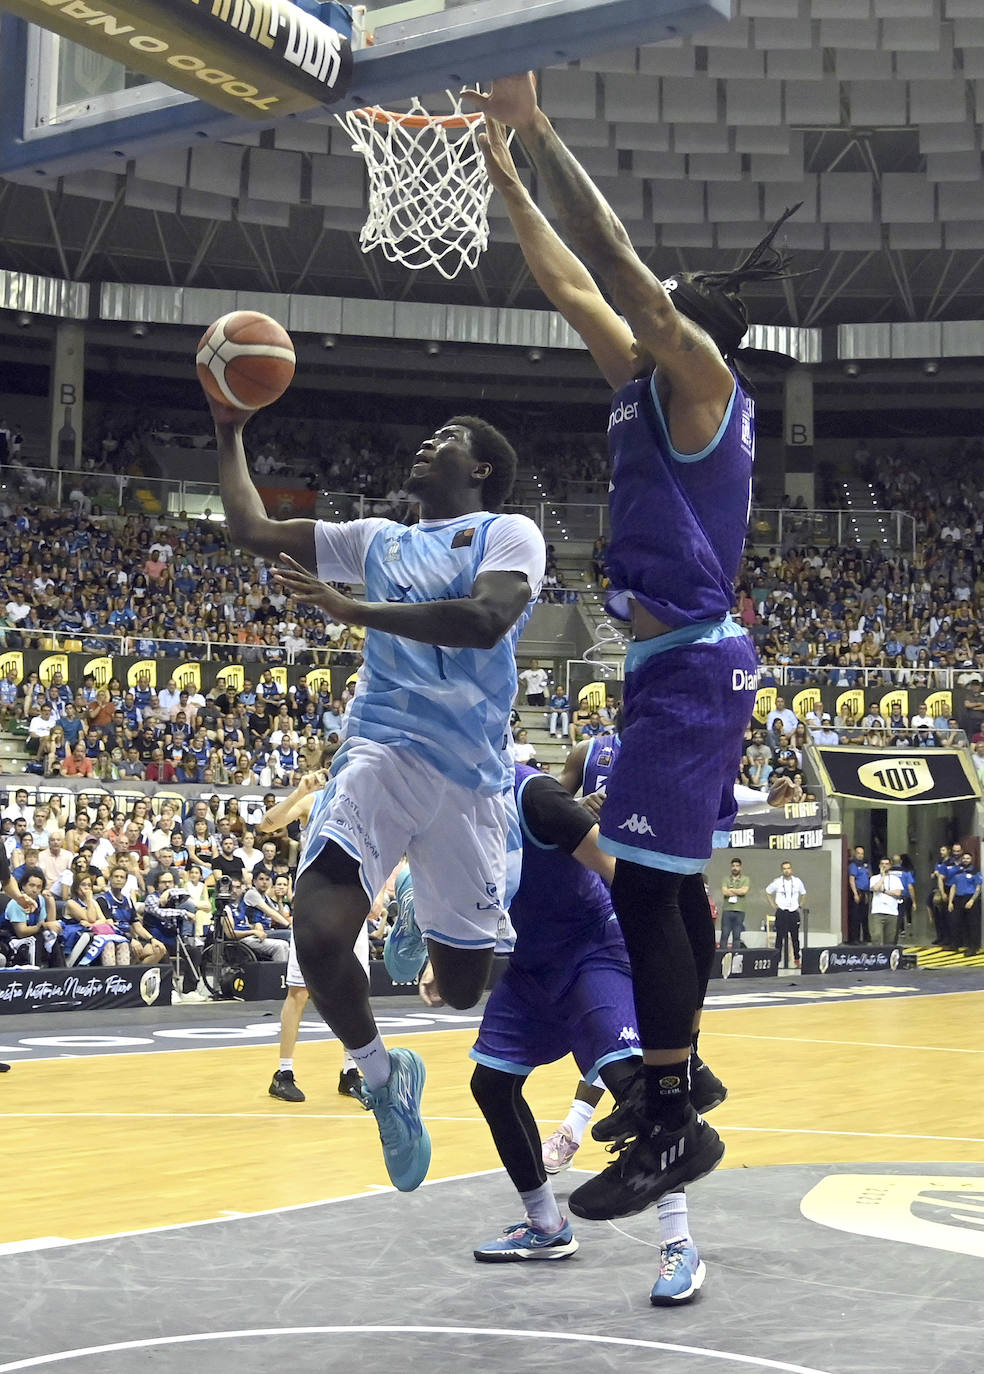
{"points": [[524, 1241], [681, 1273], [405, 949], [396, 1106]]}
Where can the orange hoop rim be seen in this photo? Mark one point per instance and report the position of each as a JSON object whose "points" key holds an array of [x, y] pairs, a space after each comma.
{"points": [[417, 121]]}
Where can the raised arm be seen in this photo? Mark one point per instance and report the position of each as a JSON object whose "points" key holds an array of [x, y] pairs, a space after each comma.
{"points": [[295, 807], [682, 351], [246, 518], [562, 278]]}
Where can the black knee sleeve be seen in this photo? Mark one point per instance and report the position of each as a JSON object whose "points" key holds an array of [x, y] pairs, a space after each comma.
{"points": [[664, 975], [500, 1098], [695, 908]]}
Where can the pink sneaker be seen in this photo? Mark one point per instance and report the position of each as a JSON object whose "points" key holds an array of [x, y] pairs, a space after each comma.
{"points": [[558, 1150]]}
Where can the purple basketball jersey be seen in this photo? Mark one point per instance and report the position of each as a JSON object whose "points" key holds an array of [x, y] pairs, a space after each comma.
{"points": [[678, 520]]}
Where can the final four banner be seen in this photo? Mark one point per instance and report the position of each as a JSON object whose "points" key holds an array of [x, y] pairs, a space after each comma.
{"points": [[914, 778], [787, 828]]}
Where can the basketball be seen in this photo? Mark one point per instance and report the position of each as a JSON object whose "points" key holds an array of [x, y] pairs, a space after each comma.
{"points": [[245, 359]]}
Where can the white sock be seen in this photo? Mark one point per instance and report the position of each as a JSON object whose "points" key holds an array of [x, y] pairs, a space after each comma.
{"points": [[373, 1063], [673, 1223], [348, 1063], [286, 1065], [542, 1210], [577, 1118]]}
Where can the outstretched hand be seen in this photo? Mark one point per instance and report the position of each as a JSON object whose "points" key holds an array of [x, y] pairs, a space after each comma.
{"points": [[498, 159], [297, 582], [512, 100]]}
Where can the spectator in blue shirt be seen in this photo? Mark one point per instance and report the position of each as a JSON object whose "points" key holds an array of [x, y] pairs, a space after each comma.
{"points": [[965, 904], [560, 719], [859, 884]]}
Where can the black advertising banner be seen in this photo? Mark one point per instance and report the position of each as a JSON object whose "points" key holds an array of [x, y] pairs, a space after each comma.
{"points": [[914, 778], [850, 960], [854, 701], [745, 963], [71, 989], [260, 59], [191, 675], [794, 827]]}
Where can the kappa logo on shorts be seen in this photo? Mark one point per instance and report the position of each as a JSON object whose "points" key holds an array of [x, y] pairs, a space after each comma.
{"points": [[628, 1034], [638, 825]]}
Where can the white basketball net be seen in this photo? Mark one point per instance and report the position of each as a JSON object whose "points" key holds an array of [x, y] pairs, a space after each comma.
{"points": [[429, 191]]}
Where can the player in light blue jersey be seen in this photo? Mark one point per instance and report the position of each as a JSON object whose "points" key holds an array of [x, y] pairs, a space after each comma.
{"points": [[425, 769]]}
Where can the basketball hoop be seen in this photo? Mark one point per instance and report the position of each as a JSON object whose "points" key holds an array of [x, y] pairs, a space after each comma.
{"points": [[429, 191]]}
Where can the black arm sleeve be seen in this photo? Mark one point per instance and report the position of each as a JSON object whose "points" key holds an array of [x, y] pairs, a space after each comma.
{"points": [[552, 815]]}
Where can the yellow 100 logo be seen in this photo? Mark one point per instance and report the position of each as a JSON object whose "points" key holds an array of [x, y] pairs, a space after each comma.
{"points": [[900, 777]]}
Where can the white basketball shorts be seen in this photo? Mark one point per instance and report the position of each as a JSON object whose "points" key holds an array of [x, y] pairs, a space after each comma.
{"points": [[385, 802]]}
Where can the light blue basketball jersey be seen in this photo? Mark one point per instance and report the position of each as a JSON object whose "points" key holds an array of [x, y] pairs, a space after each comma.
{"points": [[449, 705]]}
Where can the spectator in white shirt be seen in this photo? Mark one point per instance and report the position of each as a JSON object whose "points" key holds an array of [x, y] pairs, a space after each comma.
{"points": [[887, 891], [169, 699], [18, 809], [40, 727], [786, 718], [825, 734], [535, 680], [523, 750], [785, 894]]}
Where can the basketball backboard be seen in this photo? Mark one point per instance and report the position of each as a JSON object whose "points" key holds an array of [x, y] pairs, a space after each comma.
{"points": [[64, 109]]}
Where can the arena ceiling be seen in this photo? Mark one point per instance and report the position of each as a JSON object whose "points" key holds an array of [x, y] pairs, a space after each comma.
{"points": [[868, 111]]}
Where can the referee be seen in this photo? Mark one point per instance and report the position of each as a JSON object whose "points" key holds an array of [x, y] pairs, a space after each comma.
{"points": [[785, 894]]}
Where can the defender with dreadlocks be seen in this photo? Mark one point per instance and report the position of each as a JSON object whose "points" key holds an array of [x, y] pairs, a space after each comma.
{"points": [[681, 434]]}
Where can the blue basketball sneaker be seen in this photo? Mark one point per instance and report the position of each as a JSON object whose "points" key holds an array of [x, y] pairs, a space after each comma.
{"points": [[524, 1241], [681, 1273], [405, 950], [396, 1106]]}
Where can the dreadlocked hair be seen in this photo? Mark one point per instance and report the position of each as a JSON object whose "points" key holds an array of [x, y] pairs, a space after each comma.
{"points": [[713, 301]]}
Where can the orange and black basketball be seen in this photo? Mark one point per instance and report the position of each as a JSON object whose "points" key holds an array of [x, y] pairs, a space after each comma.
{"points": [[245, 359]]}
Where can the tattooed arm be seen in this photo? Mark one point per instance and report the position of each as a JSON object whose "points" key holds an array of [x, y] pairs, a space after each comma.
{"points": [[683, 352], [565, 281]]}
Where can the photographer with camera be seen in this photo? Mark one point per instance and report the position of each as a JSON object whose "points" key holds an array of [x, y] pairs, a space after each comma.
{"points": [[168, 912]]}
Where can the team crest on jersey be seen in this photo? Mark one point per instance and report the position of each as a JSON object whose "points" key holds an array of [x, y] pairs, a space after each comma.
{"points": [[605, 758], [463, 539], [393, 550]]}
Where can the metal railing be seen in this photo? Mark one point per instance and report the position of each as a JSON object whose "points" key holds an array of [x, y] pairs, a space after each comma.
{"points": [[783, 528], [560, 521], [797, 676], [884, 737]]}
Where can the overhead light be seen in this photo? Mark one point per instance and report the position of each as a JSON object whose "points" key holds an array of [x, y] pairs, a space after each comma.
{"points": [[24, 319], [433, 348], [535, 355], [852, 369], [140, 331], [931, 367], [328, 341]]}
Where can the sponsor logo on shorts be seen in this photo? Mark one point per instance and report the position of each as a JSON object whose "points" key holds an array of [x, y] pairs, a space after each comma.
{"points": [[744, 681], [638, 825], [628, 1034], [492, 891]]}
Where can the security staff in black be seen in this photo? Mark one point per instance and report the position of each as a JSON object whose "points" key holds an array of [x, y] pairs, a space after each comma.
{"points": [[858, 897], [965, 905]]}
